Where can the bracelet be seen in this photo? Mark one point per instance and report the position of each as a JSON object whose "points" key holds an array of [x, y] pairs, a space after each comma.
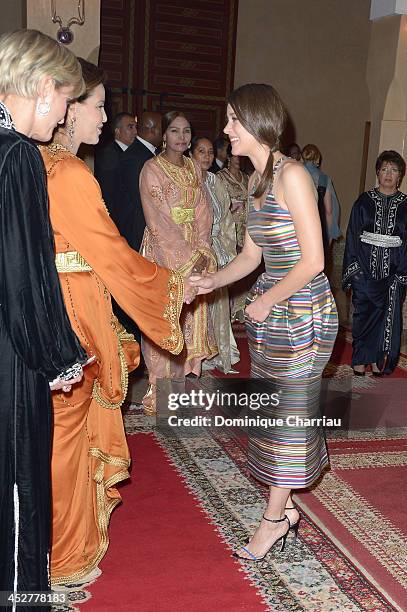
{"points": [[72, 372]]}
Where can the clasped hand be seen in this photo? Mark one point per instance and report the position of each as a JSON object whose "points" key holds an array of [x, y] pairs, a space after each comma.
{"points": [[257, 311], [192, 288], [205, 283], [201, 283]]}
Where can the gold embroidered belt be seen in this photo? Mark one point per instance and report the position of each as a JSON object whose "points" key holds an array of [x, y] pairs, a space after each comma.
{"points": [[182, 215], [72, 261]]}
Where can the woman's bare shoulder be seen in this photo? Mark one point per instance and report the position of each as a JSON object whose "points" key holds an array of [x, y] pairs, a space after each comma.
{"points": [[292, 167]]}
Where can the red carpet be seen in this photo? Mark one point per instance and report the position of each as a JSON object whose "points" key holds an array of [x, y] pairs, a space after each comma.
{"points": [[164, 555]]}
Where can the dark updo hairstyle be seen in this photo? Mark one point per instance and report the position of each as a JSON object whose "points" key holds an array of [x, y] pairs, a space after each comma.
{"points": [[169, 117], [196, 140], [92, 75], [262, 113], [394, 158]]}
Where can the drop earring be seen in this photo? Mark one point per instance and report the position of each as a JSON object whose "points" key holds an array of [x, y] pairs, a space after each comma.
{"points": [[70, 131]]}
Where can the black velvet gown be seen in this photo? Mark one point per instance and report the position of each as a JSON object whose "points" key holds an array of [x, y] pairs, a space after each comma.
{"points": [[36, 344], [375, 266]]}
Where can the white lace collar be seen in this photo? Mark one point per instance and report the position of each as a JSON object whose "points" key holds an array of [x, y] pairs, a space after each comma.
{"points": [[5, 117]]}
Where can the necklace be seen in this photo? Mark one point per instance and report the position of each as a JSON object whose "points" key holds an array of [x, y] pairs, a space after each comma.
{"points": [[54, 147], [277, 163], [65, 34], [184, 176]]}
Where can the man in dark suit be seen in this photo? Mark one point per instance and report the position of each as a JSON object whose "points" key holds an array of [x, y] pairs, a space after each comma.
{"points": [[108, 163], [117, 168], [149, 137], [220, 147], [107, 171]]}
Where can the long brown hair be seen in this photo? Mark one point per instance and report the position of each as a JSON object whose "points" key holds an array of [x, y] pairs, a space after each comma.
{"points": [[262, 113]]}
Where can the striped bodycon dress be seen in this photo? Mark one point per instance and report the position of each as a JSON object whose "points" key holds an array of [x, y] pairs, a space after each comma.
{"points": [[290, 349]]}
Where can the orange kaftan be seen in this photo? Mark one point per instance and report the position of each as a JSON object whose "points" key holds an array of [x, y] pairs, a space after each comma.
{"points": [[90, 453]]}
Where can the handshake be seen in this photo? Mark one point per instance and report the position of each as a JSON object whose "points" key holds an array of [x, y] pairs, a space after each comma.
{"points": [[199, 281], [198, 284]]}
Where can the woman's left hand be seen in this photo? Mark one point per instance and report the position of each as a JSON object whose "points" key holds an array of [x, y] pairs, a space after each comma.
{"points": [[190, 292], [257, 311]]}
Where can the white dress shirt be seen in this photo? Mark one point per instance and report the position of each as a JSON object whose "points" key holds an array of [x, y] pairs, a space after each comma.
{"points": [[122, 145], [147, 144]]}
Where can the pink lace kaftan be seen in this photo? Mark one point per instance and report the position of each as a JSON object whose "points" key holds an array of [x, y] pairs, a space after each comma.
{"points": [[179, 221]]}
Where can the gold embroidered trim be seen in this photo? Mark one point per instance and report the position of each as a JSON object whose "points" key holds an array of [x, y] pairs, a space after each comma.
{"points": [[175, 342], [183, 176], [182, 215], [186, 268], [104, 507], [122, 336], [71, 261], [57, 152]]}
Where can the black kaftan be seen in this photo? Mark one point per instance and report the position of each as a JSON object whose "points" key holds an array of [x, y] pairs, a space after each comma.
{"points": [[375, 266], [36, 344]]}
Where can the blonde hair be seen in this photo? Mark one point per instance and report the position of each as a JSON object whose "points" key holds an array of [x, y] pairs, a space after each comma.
{"points": [[311, 153], [26, 56]]}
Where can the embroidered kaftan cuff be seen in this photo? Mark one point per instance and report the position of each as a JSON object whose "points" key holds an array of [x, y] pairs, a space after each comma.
{"points": [[350, 271], [401, 279], [175, 341]]}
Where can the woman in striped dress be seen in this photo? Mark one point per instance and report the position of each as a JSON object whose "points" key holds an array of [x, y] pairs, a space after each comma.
{"points": [[291, 316]]}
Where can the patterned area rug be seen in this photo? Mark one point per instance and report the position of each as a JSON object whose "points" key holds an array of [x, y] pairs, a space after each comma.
{"points": [[312, 573], [350, 553]]}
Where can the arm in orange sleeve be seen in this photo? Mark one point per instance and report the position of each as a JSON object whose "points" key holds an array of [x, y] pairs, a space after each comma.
{"points": [[151, 296]]}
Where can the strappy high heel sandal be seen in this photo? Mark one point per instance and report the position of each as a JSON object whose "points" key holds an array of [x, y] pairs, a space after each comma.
{"points": [[293, 526], [283, 539]]}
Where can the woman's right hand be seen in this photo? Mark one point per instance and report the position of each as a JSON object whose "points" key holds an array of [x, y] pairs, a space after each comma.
{"points": [[205, 283]]}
